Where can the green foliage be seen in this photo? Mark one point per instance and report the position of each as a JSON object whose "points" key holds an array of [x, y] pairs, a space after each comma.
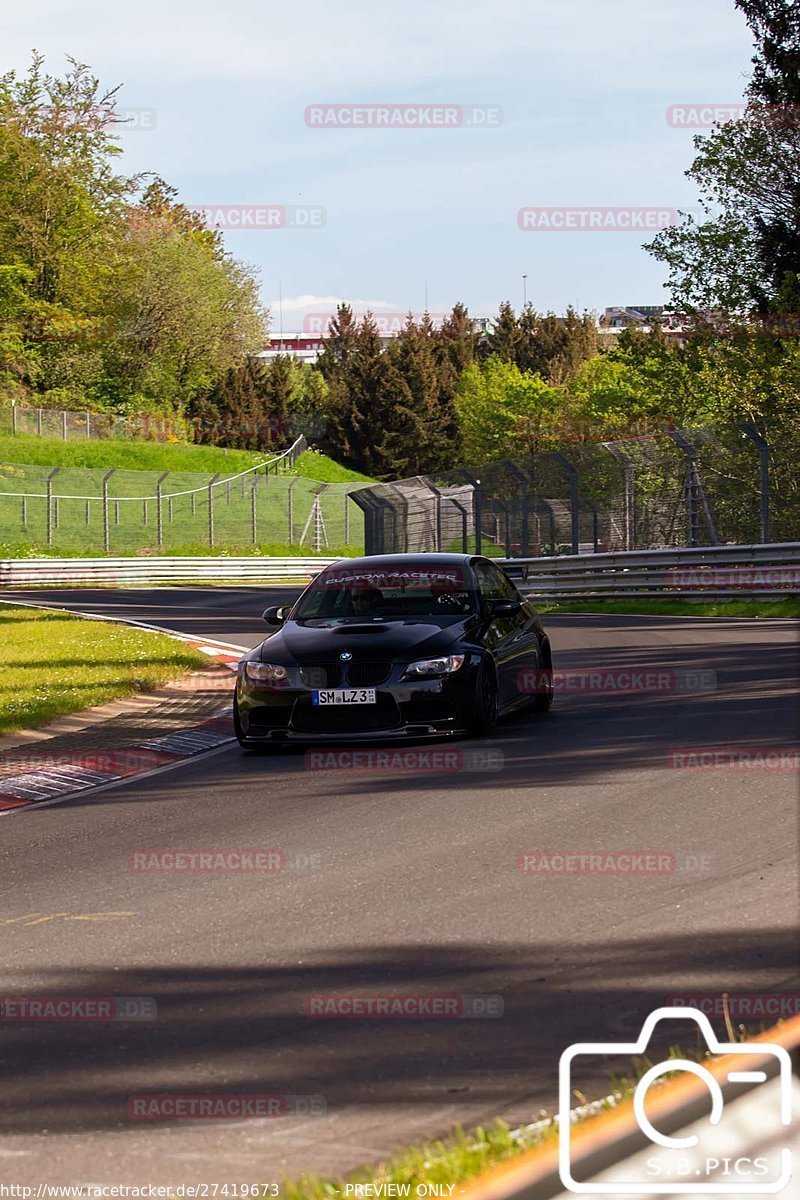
{"points": [[390, 412], [553, 347], [112, 294], [744, 253], [503, 411], [786, 609], [123, 454]]}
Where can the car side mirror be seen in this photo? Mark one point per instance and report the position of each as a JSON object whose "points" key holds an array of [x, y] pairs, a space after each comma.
{"points": [[504, 608], [275, 615]]}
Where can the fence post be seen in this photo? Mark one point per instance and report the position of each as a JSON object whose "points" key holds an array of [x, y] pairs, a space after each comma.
{"points": [[24, 512], [63, 425], [39, 422], [211, 508], [477, 505], [290, 508], [88, 512], [574, 499], [347, 518], [88, 425], [522, 479], [763, 474], [253, 508], [50, 479], [106, 533], [160, 509], [694, 492], [630, 494], [507, 534], [437, 500], [464, 535], [14, 418]]}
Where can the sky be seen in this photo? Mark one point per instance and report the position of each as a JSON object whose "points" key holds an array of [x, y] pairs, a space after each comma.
{"points": [[571, 97]]}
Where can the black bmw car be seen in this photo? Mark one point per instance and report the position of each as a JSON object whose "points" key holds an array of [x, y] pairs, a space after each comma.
{"points": [[394, 647]]}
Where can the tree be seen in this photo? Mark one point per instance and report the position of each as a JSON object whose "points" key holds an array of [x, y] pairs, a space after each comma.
{"points": [[504, 339], [503, 411], [745, 253], [130, 303], [61, 200]]}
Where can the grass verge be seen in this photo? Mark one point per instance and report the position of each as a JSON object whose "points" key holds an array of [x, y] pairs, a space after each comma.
{"points": [[451, 1160], [22, 550], [124, 455], [683, 608], [91, 453], [53, 664], [314, 465]]}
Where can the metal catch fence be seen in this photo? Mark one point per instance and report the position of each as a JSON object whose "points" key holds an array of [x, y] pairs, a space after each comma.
{"points": [[122, 511], [694, 488]]}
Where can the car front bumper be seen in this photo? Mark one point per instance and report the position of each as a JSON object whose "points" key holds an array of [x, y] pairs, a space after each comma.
{"points": [[405, 709]]}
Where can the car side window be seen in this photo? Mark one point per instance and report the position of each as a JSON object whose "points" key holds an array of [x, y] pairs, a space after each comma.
{"points": [[494, 584]]}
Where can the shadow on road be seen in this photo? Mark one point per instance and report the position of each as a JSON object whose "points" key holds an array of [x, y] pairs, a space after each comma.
{"points": [[245, 1031]]}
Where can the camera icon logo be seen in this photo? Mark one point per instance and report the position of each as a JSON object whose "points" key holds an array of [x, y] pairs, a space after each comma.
{"points": [[685, 1162]]}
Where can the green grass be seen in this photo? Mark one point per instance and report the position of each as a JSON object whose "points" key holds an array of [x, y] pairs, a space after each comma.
{"points": [[52, 664], [161, 456], [23, 550], [314, 465], [448, 1161], [283, 504], [128, 456], [682, 608]]}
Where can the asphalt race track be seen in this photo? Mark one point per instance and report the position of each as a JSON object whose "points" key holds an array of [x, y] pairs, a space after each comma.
{"points": [[397, 882]]}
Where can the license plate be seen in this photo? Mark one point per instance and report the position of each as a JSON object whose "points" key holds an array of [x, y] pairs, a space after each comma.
{"points": [[345, 696]]}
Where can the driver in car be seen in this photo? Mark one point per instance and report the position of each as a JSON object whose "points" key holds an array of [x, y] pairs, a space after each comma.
{"points": [[366, 600]]}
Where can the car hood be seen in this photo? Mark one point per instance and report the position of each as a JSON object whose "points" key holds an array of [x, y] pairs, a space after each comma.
{"points": [[389, 640]]}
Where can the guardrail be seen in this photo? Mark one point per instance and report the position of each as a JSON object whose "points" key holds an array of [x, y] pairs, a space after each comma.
{"points": [[149, 572], [708, 572], [613, 1145]]}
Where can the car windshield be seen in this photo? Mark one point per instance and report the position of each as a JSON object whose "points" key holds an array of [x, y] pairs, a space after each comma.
{"points": [[374, 594]]}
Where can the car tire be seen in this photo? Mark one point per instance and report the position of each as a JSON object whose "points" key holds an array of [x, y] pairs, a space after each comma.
{"points": [[543, 696], [483, 717]]}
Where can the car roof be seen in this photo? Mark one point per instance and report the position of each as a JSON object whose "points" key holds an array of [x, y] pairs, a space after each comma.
{"points": [[396, 560]]}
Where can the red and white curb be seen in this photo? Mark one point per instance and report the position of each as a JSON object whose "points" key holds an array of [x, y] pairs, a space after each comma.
{"points": [[63, 775]]}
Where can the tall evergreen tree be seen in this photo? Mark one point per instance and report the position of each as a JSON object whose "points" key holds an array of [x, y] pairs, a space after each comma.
{"points": [[504, 340]]}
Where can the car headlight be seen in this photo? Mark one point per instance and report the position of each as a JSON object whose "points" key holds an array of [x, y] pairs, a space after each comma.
{"points": [[435, 666], [266, 674]]}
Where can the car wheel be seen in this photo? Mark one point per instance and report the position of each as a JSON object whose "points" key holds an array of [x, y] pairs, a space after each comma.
{"points": [[484, 709], [543, 696]]}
